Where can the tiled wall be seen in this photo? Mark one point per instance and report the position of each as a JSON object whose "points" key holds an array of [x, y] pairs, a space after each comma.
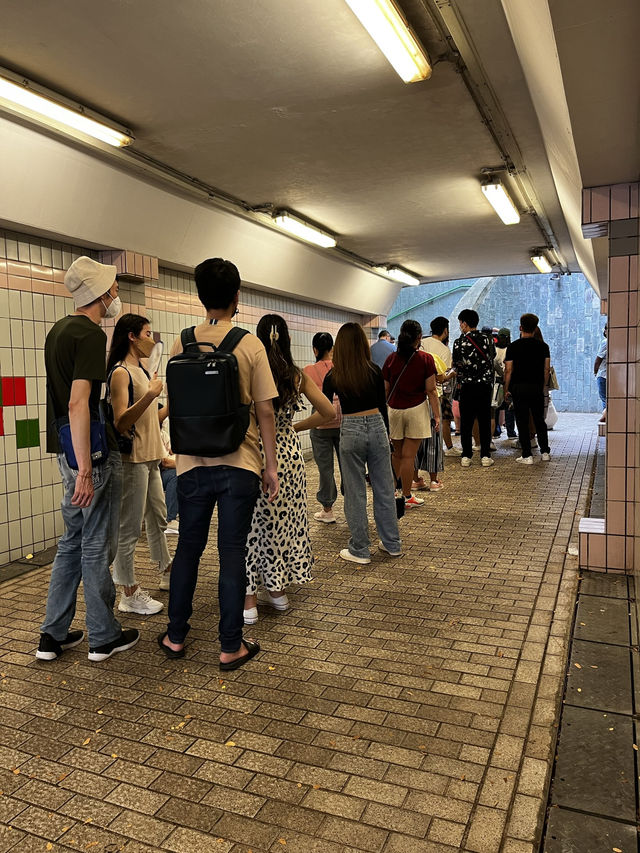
{"points": [[614, 544], [32, 298]]}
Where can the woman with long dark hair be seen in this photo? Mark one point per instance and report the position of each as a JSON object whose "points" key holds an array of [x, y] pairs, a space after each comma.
{"points": [[409, 378], [364, 444], [136, 416], [325, 439], [278, 546]]}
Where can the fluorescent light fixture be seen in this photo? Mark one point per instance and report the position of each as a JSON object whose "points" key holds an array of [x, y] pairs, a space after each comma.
{"points": [[385, 24], [501, 202], [16, 95], [294, 225], [541, 261], [398, 274]]}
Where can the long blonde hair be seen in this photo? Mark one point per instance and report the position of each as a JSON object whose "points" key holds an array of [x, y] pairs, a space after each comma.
{"points": [[352, 369]]}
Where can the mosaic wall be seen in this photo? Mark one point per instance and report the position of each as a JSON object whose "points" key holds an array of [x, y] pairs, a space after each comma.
{"points": [[32, 298]]}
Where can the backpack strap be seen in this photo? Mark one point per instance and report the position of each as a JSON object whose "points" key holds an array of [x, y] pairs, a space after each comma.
{"points": [[232, 339], [188, 336], [115, 367]]}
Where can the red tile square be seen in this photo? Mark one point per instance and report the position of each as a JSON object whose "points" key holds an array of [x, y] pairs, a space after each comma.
{"points": [[7, 391], [1, 421], [20, 391]]}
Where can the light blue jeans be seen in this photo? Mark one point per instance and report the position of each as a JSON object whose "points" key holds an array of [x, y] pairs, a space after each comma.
{"points": [[364, 442], [326, 442], [85, 550]]}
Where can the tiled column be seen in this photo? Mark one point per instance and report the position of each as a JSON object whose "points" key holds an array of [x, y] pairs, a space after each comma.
{"points": [[610, 544]]}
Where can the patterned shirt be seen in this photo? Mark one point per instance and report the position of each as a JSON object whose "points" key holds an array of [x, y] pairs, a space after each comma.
{"points": [[474, 361]]}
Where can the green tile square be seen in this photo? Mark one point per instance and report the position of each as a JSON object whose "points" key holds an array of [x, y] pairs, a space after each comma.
{"points": [[34, 432], [22, 434]]}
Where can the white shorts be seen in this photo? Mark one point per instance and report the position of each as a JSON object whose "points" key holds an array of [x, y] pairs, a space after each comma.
{"points": [[410, 423]]}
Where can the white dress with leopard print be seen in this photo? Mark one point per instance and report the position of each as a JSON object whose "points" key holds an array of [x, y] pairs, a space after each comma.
{"points": [[279, 547]]}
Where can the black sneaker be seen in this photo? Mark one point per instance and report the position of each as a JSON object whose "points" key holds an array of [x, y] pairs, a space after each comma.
{"points": [[50, 649], [126, 640]]}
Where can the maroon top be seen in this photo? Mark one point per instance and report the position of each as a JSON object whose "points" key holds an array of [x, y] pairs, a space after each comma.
{"points": [[410, 390]]}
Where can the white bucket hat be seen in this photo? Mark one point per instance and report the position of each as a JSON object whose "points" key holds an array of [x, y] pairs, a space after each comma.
{"points": [[87, 280]]}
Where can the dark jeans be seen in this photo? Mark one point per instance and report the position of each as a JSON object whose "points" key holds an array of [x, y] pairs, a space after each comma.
{"points": [[235, 491], [510, 421], [530, 398], [475, 402], [170, 486]]}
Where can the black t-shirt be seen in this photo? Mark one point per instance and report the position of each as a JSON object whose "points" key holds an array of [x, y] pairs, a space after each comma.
{"points": [[372, 396], [528, 356], [75, 348]]}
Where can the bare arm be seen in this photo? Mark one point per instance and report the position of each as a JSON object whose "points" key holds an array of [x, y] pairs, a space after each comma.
{"points": [[508, 367], [163, 413], [596, 365], [79, 419], [547, 370], [267, 425], [434, 400], [123, 416], [324, 409]]}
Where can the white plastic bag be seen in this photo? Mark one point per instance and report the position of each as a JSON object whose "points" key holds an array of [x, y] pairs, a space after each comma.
{"points": [[552, 415]]}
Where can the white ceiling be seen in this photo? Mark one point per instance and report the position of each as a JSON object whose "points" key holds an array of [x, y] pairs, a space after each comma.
{"points": [[289, 102]]}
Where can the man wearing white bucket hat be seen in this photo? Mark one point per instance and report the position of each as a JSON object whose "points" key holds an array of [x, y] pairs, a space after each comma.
{"points": [[90, 468]]}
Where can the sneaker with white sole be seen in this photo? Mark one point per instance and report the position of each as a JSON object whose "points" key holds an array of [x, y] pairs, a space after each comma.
{"points": [[545, 457], [50, 649], [326, 516], [525, 460], [465, 461], [165, 581], [390, 553], [514, 442], [173, 528], [492, 446], [534, 442], [487, 462], [250, 616], [436, 485], [139, 602], [127, 639], [347, 555], [413, 501], [475, 447], [453, 451], [419, 486], [280, 602]]}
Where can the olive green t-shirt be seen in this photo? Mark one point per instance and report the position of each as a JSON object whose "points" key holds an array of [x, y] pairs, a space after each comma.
{"points": [[75, 348]]}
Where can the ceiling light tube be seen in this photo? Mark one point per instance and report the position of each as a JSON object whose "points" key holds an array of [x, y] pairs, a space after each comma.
{"points": [[387, 27], [22, 96], [299, 228], [501, 202], [540, 260], [398, 274]]}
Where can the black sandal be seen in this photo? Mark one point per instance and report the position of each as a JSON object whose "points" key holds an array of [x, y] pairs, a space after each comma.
{"points": [[252, 650], [169, 652]]}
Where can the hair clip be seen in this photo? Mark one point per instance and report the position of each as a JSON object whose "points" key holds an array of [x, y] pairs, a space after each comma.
{"points": [[273, 334]]}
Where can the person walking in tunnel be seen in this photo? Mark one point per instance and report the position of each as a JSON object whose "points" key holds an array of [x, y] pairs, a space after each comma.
{"points": [[600, 372], [278, 546], [526, 374], [473, 356], [364, 444], [325, 439], [438, 344], [133, 395], [75, 364]]}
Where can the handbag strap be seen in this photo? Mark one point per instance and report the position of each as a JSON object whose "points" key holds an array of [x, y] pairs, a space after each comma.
{"points": [[395, 384], [482, 352]]}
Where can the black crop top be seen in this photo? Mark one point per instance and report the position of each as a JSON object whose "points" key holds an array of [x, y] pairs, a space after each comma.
{"points": [[372, 396]]}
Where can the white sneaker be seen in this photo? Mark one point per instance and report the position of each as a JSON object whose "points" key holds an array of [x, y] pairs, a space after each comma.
{"points": [[465, 462], [534, 442], [492, 446], [172, 528], [165, 581], [250, 616], [387, 551], [347, 555], [139, 602], [487, 462], [545, 457], [475, 447], [453, 451], [525, 460], [327, 516], [279, 603], [412, 500]]}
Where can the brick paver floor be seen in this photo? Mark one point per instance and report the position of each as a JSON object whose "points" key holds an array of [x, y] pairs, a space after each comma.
{"points": [[405, 706]]}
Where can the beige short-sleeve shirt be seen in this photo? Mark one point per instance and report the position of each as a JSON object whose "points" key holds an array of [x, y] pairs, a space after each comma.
{"points": [[256, 386]]}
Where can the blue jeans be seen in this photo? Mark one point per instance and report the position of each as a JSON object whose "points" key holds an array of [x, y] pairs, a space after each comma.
{"points": [[235, 491], [601, 382], [364, 442], [85, 550], [324, 443], [170, 486]]}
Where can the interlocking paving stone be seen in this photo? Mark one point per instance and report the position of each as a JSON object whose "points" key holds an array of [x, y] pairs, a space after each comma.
{"points": [[600, 677], [602, 620], [574, 832], [407, 706], [595, 768]]}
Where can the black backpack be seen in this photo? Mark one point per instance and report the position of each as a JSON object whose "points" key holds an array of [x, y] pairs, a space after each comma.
{"points": [[206, 415]]}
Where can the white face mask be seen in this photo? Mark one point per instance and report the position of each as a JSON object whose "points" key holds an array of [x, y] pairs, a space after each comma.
{"points": [[115, 307]]}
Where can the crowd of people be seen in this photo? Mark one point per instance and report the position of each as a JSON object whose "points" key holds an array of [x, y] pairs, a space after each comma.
{"points": [[380, 415]]}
